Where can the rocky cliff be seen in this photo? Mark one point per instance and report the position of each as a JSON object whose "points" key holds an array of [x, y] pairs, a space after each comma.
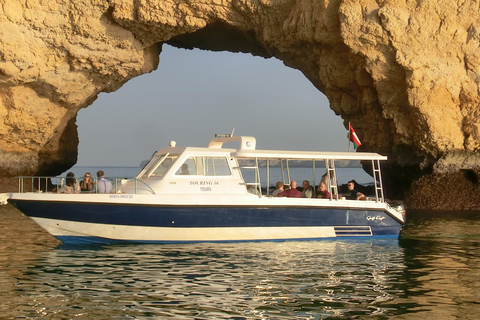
{"points": [[405, 73]]}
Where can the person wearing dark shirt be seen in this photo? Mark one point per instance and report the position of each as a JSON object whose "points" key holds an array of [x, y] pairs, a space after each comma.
{"points": [[292, 192], [353, 194], [87, 184]]}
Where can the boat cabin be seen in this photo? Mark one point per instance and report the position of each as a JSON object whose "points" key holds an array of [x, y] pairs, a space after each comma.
{"points": [[216, 170]]}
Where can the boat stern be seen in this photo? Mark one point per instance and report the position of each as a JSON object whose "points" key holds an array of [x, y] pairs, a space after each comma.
{"points": [[398, 206]]}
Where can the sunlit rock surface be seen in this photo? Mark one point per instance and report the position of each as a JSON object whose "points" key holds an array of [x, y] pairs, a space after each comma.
{"points": [[404, 73]]}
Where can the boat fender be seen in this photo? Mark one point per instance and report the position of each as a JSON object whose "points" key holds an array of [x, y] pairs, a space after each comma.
{"points": [[4, 198]]}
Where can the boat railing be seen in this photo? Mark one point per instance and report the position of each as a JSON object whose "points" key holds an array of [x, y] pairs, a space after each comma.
{"points": [[37, 183], [54, 184]]}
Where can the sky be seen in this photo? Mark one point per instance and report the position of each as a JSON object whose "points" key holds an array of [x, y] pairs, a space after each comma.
{"points": [[196, 94]]}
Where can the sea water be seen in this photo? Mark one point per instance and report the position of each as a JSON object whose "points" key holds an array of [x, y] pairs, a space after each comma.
{"points": [[431, 272]]}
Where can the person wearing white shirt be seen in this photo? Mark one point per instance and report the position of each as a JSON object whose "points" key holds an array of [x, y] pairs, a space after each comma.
{"points": [[103, 185]]}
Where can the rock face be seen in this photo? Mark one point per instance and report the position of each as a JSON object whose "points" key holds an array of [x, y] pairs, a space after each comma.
{"points": [[405, 73]]}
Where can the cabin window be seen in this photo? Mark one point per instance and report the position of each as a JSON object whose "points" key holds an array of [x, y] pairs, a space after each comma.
{"points": [[163, 166], [217, 166], [150, 164], [188, 167], [205, 166]]}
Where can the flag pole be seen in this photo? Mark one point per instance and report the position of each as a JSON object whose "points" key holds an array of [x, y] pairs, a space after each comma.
{"points": [[348, 135]]}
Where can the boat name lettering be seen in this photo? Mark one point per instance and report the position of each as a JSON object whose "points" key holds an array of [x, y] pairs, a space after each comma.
{"points": [[127, 196], [204, 189], [377, 218], [204, 183]]}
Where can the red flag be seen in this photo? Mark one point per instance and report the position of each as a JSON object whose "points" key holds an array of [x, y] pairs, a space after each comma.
{"points": [[353, 137]]}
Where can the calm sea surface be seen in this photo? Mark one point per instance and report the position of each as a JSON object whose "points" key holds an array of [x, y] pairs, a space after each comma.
{"points": [[432, 272]]}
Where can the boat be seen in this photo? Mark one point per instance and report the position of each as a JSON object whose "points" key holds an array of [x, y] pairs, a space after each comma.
{"points": [[213, 194]]}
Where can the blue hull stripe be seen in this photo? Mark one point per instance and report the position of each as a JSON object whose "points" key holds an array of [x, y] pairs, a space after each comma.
{"points": [[380, 222]]}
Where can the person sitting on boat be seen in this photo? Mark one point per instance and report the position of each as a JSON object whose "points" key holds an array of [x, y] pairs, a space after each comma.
{"points": [[292, 192], [86, 184], [279, 188], [103, 185], [322, 191], [71, 184], [324, 179], [307, 191], [185, 169], [353, 194]]}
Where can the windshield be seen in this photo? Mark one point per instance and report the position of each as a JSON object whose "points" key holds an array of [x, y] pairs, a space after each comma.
{"points": [[158, 166], [162, 167]]}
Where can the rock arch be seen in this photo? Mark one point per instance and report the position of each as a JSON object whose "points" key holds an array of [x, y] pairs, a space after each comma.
{"points": [[405, 74]]}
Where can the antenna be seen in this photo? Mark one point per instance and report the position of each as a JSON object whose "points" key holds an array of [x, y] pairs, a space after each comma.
{"points": [[226, 135]]}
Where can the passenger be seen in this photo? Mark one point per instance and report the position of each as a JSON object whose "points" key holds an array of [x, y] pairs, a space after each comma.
{"points": [[279, 188], [322, 191], [185, 169], [324, 179], [307, 191], [251, 189], [71, 184], [87, 184], [353, 194], [292, 192], [103, 185]]}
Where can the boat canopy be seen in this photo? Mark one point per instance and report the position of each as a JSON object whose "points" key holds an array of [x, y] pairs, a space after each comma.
{"points": [[248, 150], [308, 155]]}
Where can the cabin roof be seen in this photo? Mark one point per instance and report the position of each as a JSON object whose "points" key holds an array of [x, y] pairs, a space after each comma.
{"points": [[308, 155], [281, 154], [247, 150]]}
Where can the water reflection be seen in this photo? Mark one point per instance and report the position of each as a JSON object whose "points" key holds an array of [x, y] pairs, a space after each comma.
{"points": [[424, 275], [442, 256], [261, 280]]}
